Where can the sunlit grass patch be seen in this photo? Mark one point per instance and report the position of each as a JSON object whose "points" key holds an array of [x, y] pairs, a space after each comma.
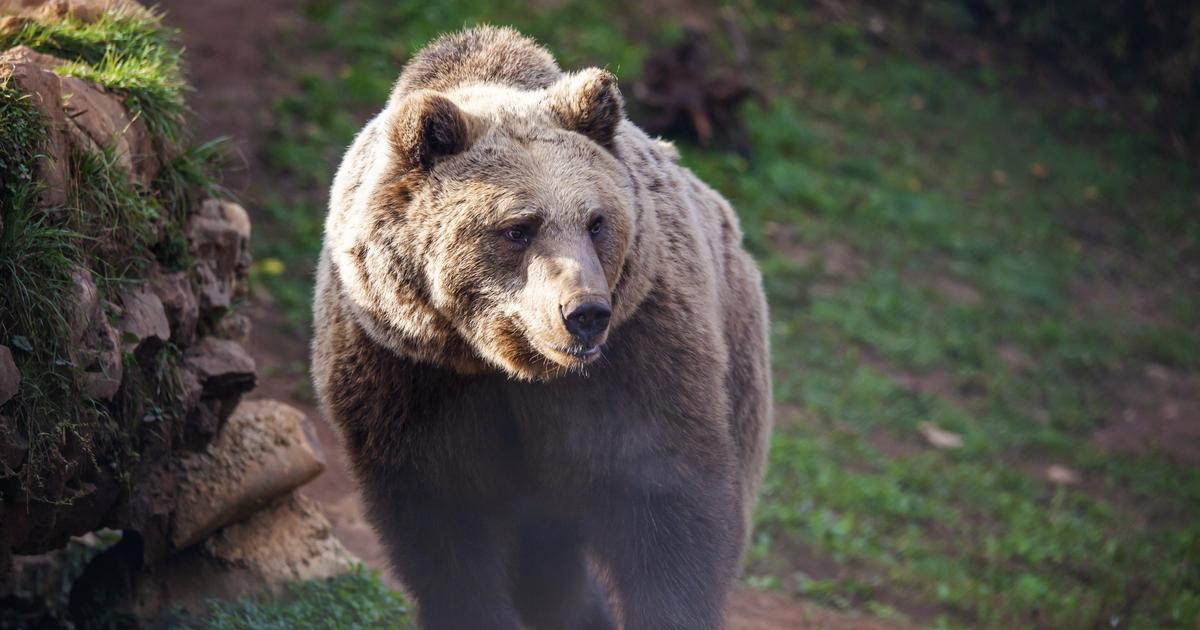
{"points": [[131, 54], [357, 599]]}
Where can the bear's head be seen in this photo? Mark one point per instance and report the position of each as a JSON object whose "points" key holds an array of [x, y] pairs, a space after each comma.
{"points": [[490, 225]]}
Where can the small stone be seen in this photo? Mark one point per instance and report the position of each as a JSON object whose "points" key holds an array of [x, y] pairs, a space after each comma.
{"points": [[222, 367], [10, 378], [234, 326], [214, 293], [95, 345], [180, 304], [940, 437], [100, 360], [84, 304], [231, 212], [144, 326], [1158, 373], [1062, 475], [219, 234], [876, 24]]}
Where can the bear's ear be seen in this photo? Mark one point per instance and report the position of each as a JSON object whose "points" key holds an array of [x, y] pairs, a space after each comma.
{"points": [[588, 102], [427, 126]]}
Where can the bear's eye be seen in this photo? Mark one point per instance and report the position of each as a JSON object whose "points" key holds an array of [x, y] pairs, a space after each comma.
{"points": [[519, 234], [596, 225]]}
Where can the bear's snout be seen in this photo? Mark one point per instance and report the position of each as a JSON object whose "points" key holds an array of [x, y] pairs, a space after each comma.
{"points": [[587, 318]]}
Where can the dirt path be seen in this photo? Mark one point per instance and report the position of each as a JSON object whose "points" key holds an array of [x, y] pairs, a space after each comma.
{"points": [[237, 53]]}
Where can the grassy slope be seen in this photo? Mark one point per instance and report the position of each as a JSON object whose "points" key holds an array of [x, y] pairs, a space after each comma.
{"points": [[110, 227], [915, 227]]}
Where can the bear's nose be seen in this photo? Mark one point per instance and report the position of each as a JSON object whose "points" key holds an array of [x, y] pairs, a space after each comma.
{"points": [[586, 320]]}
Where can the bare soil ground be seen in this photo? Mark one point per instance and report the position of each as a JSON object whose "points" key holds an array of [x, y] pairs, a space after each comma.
{"points": [[237, 54]]}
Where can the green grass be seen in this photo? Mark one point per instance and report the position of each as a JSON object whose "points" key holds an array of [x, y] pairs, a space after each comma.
{"points": [[352, 601], [895, 160], [37, 254], [134, 56], [915, 225], [117, 215]]}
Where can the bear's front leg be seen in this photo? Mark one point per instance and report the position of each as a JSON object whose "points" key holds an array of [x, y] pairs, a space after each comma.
{"points": [[553, 588], [673, 552], [451, 557]]}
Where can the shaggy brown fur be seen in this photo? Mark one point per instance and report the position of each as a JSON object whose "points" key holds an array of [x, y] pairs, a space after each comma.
{"points": [[517, 446]]}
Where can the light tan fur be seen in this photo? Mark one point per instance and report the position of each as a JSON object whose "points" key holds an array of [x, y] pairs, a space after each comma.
{"points": [[429, 314]]}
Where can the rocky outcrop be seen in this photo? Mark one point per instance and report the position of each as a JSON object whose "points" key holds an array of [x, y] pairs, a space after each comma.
{"points": [[141, 366], [238, 527], [198, 486]]}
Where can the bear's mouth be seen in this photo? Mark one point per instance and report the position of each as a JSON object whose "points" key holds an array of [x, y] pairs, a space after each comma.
{"points": [[574, 355], [584, 353], [526, 354]]}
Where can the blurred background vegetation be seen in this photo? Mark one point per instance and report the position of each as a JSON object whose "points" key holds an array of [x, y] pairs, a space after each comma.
{"points": [[979, 223]]}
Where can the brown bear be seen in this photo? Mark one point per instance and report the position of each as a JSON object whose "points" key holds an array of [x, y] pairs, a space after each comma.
{"points": [[545, 349]]}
